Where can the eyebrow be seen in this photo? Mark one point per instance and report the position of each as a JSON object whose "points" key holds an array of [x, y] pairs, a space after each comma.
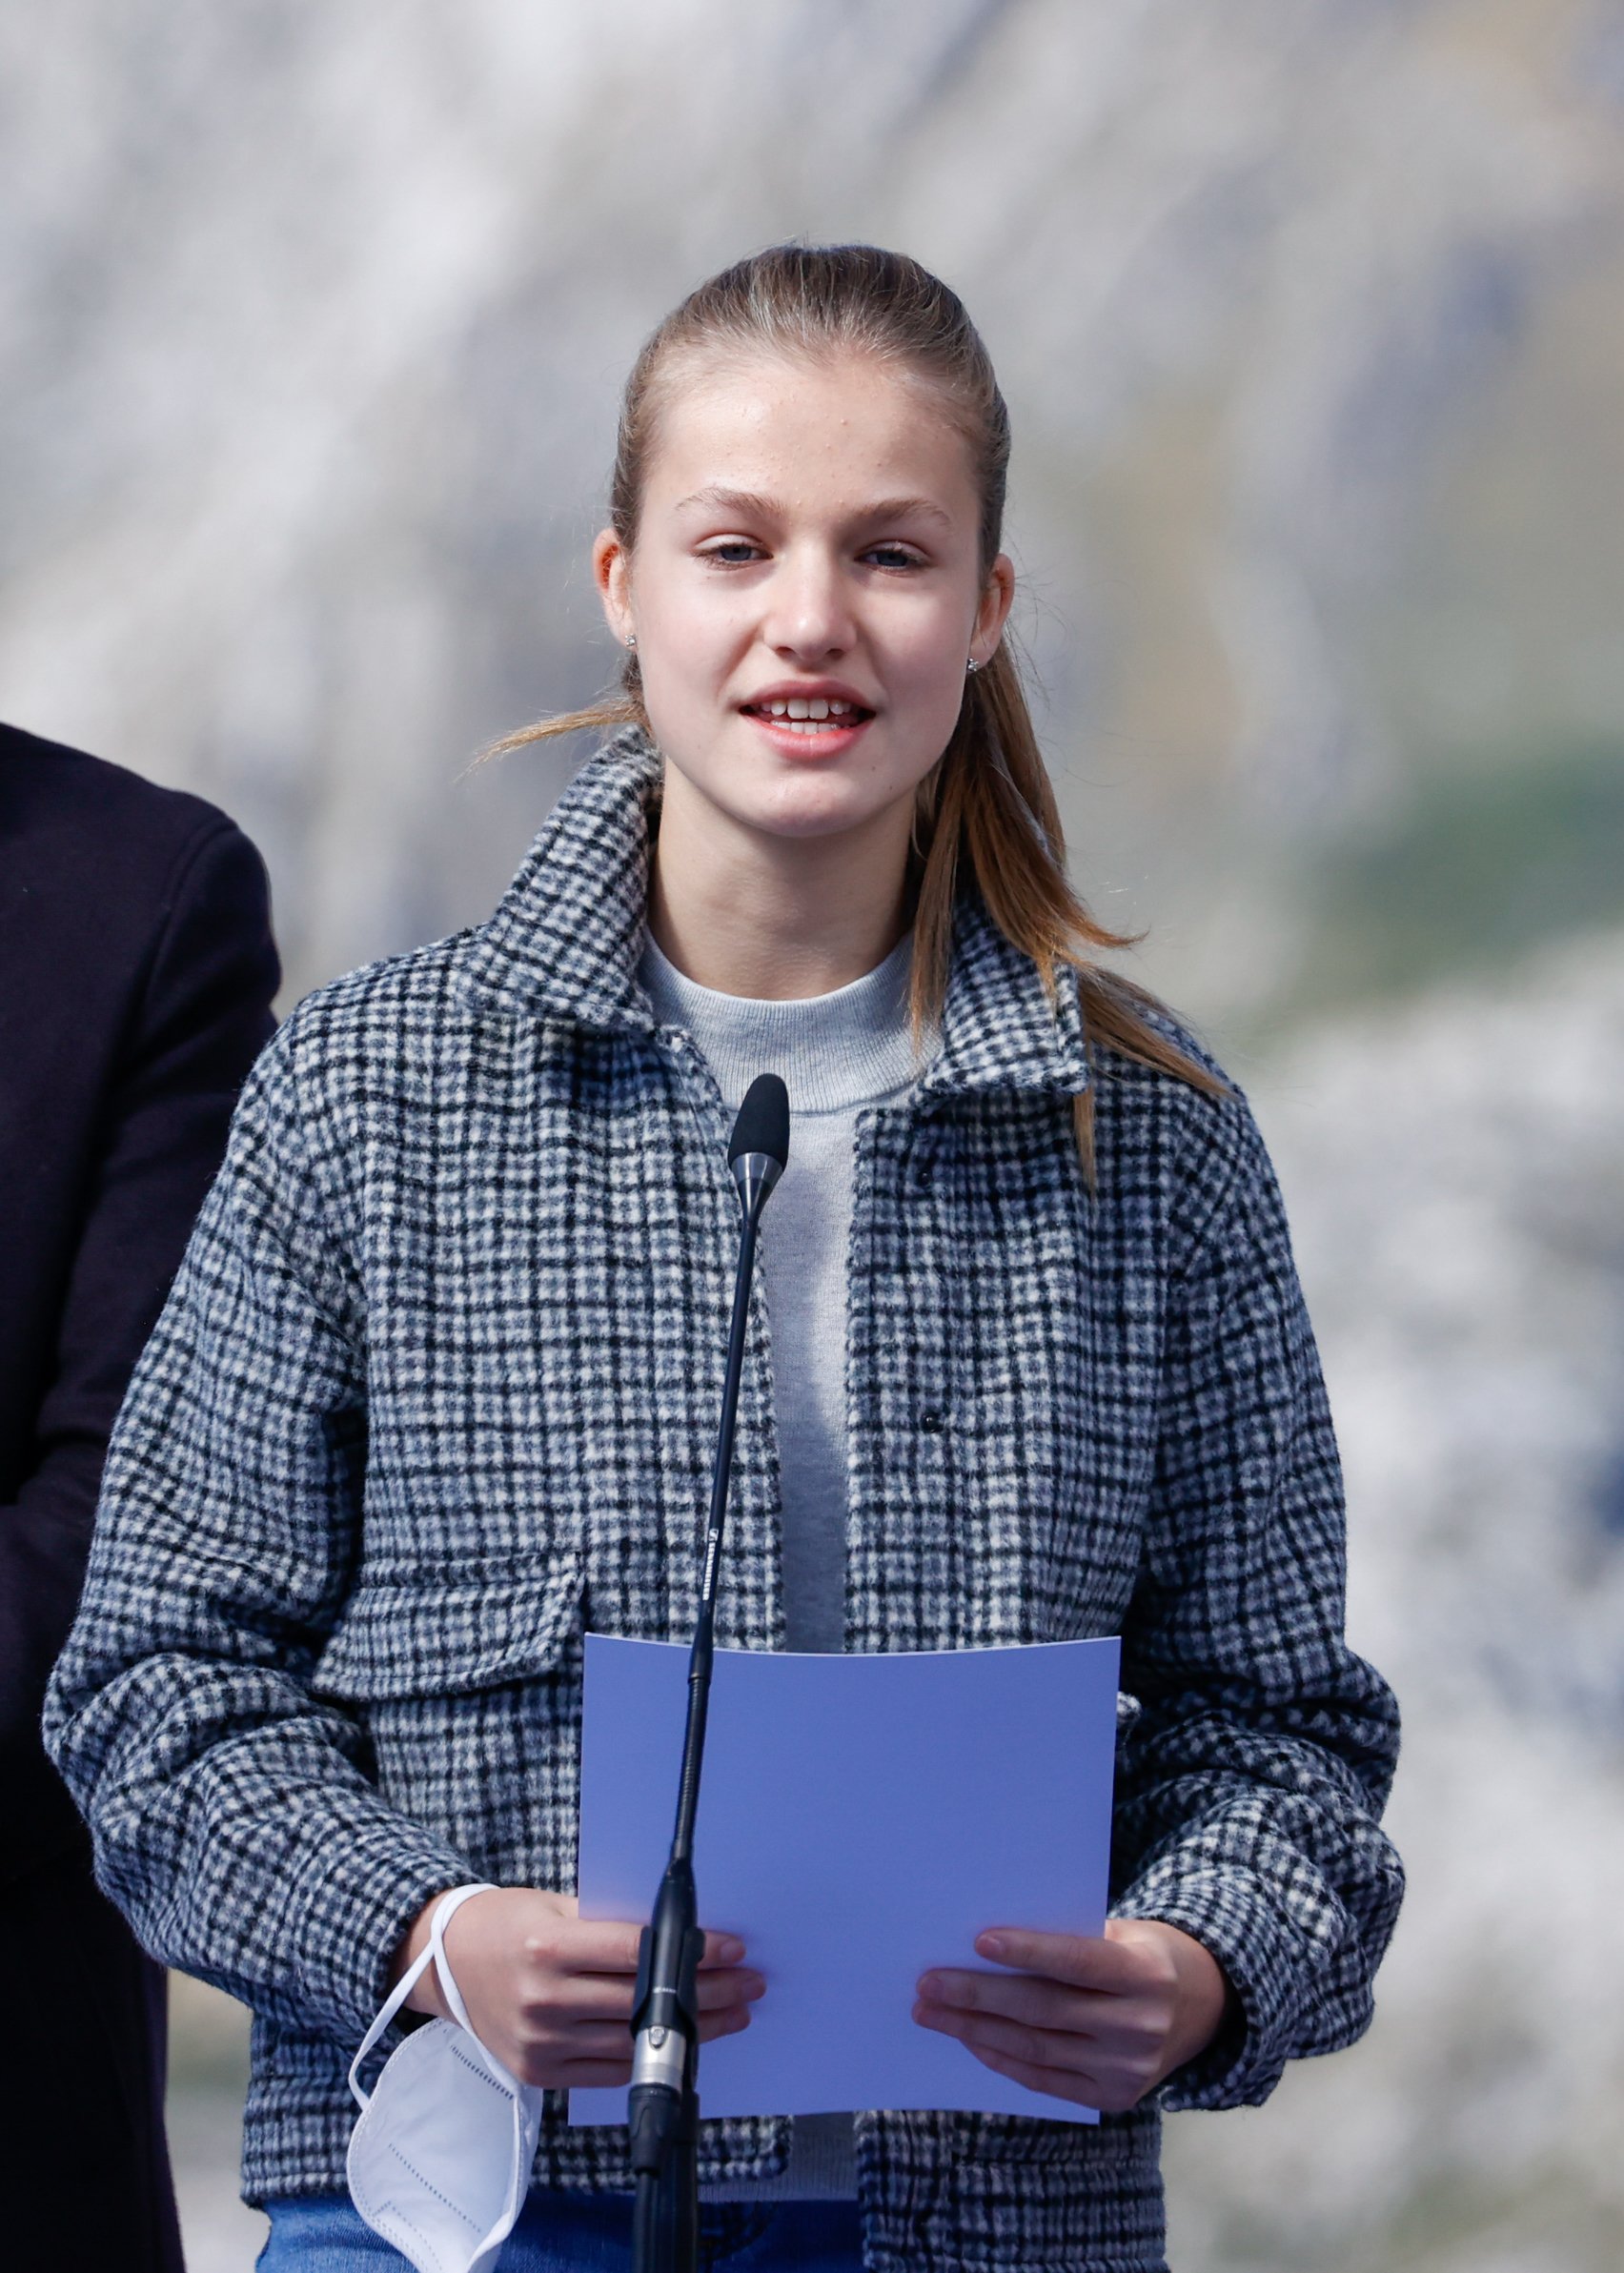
{"points": [[752, 506]]}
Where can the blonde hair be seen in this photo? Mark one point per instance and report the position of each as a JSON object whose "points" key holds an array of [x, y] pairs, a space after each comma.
{"points": [[987, 807]]}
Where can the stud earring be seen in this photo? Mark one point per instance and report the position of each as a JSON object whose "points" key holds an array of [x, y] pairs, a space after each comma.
{"points": [[971, 668], [631, 638]]}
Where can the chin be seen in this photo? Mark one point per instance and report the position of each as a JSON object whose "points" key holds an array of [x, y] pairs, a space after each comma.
{"points": [[813, 808]]}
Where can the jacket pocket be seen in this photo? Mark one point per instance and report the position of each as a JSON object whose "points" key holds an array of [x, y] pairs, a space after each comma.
{"points": [[1117, 2143], [448, 1630]]}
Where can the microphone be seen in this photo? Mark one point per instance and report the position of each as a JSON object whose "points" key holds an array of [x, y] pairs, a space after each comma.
{"points": [[664, 2106], [758, 1151]]}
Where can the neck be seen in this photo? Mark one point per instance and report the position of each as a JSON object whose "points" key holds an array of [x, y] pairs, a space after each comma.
{"points": [[776, 918]]}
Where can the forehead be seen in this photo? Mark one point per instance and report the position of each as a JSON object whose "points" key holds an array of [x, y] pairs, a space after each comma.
{"points": [[834, 429]]}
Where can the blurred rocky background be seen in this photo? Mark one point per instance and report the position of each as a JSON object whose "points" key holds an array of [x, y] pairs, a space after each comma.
{"points": [[1310, 313]]}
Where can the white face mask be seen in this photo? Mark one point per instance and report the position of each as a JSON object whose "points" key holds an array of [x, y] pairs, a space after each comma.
{"points": [[439, 2158]]}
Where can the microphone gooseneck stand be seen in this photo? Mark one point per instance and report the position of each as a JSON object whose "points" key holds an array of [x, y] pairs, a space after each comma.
{"points": [[663, 2108]]}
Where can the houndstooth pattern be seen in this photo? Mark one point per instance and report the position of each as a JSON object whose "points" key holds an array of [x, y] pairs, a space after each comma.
{"points": [[434, 1391]]}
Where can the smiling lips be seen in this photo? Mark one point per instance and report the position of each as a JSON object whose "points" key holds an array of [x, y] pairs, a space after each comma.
{"points": [[809, 716]]}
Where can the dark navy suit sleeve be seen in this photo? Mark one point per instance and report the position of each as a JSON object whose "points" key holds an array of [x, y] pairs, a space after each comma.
{"points": [[201, 1017]]}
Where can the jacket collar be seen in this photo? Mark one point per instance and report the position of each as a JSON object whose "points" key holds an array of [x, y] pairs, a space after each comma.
{"points": [[566, 939]]}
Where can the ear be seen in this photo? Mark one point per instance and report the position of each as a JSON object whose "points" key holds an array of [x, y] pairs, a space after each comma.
{"points": [[612, 571], [993, 613]]}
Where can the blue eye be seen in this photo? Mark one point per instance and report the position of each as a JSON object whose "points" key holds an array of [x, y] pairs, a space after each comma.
{"points": [[736, 552], [893, 556]]}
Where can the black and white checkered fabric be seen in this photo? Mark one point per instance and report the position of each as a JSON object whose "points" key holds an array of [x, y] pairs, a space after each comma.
{"points": [[436, 1389]]}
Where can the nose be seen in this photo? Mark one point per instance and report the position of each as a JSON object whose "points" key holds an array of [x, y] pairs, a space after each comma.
{"points": [[809, 616]]}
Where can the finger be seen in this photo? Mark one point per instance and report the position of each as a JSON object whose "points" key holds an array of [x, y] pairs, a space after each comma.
{"points": [[723, 2024], [589, 2075], [588, 1945], [586, 1997], [735, 1985], [606, 1945], [585, 2039], [606, 2064], [1082, 1960], [608, 2040], [612, 1996], [985, 2032], [1059, 2084], [1017, 1996], [720, 1949]]}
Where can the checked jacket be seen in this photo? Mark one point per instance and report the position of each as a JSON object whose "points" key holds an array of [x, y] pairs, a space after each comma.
{"points": [[434, 1391]]}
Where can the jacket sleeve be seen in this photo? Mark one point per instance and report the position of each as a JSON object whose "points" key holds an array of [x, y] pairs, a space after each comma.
{"points": [[233, 1819], [202, 1015], [1253, 1779]]}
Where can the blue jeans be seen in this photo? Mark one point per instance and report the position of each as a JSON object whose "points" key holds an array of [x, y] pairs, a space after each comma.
{"points": [[577, 2233]]}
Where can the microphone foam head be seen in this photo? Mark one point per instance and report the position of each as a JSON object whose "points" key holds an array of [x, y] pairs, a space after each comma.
{"points": [[763, 1125]]}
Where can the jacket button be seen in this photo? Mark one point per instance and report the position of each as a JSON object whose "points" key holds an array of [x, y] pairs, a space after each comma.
{"points": [[930, 1421], [924, 1176]]}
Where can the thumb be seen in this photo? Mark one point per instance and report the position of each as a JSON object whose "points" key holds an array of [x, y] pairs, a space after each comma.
{"points": [[1081, 1961]]}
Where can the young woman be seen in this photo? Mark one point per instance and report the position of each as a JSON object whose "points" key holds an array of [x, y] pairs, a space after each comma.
{"points": [[436, 1388]]}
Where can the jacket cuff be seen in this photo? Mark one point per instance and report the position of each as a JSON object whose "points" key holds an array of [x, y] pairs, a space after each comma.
{"points": [[1228, 1912], [355, 1910]]}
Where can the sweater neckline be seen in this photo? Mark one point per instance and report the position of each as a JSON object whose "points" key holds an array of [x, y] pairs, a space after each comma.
{"points": [[835, 1052]]}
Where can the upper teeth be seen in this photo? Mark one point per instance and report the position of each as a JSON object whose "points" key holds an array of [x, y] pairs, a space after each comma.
{"points": [[807, 706]]}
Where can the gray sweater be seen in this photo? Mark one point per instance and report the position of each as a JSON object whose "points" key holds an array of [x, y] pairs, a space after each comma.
{"points": [[836, 1053]]}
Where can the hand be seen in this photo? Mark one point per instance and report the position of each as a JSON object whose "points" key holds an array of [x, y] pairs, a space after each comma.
{"points": [[1098, 2021], [549, 1992]]}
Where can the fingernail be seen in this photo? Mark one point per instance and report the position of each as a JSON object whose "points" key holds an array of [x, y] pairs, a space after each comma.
{"points": [[990, 1946], [730, 1949], [930, 1984]]}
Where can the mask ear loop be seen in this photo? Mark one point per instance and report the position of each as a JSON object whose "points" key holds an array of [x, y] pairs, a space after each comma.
{"points": [[437, 1924], [445, 1910]]}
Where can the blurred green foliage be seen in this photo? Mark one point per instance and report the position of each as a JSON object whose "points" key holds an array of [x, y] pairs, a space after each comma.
{"points": [[1478, 868]]}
